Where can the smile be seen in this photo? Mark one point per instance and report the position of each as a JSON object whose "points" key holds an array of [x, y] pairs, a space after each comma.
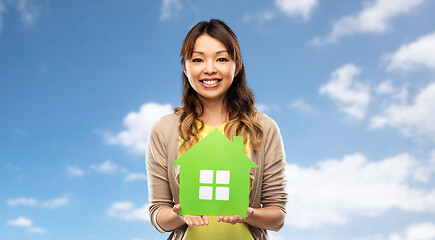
{"points": [[210, 83]]}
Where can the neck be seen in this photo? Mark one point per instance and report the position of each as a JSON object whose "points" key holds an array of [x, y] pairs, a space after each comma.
{"points": [[214, 113]]}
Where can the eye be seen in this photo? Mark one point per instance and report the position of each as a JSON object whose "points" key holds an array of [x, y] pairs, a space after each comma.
{"points": [[222, 60], [196, 60]]}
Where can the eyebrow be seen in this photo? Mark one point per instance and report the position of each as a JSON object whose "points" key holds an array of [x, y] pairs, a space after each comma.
{"points": [[222, 51]]}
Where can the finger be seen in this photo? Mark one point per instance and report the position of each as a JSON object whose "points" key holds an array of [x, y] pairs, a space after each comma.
{"points": [[226, 219], [187, 219], [237, 219], [176, 208], [220, 218], [195, 221], [250, 211], [200, 220], [205, 219]]}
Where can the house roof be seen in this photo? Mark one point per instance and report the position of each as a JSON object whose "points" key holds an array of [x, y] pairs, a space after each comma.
{"points": [[218, 150]]}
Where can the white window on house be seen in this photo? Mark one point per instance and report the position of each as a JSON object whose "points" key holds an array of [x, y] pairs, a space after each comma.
{"points": [[206, 176], [222, 193], [220, 184], [205, 192], [222, 177]]}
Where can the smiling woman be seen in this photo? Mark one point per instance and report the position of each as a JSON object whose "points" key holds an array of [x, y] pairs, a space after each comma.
{"points": [[215, 96], [210, 70]]}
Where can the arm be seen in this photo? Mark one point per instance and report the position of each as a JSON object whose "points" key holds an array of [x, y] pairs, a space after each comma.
{"points": [[163, 214], [168, 218], [160, 195], [270, 218], [273, 196]]}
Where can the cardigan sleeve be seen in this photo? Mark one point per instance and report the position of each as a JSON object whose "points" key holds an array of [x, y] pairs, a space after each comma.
{"points": [[157, 171], [273, 190]]}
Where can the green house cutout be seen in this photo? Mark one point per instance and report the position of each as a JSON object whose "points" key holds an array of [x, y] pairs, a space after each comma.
{"points": [[215, 177]]}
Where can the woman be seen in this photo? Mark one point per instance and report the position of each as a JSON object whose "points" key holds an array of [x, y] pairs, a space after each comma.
{"points": [[215, 95]]}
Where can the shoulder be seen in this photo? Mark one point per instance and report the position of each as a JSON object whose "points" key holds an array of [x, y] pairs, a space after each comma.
{"points": [[167, 120], [172, 117], [271, 132], [264, 118], [266, 122], [165, 125]]}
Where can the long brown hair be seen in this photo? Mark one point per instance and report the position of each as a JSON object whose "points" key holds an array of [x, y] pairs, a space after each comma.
{"points": [[238, 101]]}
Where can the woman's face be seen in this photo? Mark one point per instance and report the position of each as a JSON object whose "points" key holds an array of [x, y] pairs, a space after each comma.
{"points": [[210, 70]]}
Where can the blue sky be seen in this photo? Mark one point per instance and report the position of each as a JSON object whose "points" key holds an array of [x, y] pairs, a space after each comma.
{"points": [[350, 83]]}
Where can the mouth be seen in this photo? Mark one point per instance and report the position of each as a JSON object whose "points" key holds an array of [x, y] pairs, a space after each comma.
{"points": [[210, 82]]}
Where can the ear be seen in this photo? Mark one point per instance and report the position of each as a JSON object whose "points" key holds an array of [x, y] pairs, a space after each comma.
{"points": [[184, 69], [237, 71]]}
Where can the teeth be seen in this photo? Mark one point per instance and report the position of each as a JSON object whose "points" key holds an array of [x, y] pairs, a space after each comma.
{"points": [[210, 82]]}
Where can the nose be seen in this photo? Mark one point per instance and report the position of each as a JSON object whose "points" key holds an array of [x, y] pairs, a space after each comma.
{"points": [[209, 67]]}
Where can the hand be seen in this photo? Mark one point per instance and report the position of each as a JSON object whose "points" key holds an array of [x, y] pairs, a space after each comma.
{"points": [[236, 218], [191, 219]]}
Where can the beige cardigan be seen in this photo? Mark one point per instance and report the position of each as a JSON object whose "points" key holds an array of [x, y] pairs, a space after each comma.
{"points": [[268, 186]]}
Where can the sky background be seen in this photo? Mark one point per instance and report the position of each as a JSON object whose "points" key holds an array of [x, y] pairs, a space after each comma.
{"points": [[351, 85]]}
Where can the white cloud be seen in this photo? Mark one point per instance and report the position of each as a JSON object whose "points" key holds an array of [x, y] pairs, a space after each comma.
{"points": [[170, 8], [135, 176], [22, 201], [418, 54], [300, 104], [332, 191], [56, 202], [29, 12], [416, 119], [105, 167], [138, 125], [126, 211], [385, 87], [297, 8], [276, 236], [74, 171], [402, 95], [422, 231], [419, 231], [373, 237], [53, 203], [262, 107], [20, 222], [266, 108], [432, 160], [351, 95], [27, 223], [374, 18], [37, 230]]}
